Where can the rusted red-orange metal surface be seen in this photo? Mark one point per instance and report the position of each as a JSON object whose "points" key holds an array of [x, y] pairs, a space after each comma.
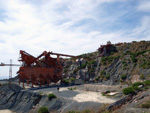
{"points": [[39, 70]]}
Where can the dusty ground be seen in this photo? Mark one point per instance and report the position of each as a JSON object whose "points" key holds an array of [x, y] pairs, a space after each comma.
{"points": [[6, 111], [86, 96]]}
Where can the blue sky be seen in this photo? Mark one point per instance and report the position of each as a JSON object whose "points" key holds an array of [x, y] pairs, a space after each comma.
{"points": [[68, 26]]}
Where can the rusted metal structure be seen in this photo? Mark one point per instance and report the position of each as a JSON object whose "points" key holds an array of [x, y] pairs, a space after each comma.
{"points": [[106, 49], [41, 70]]}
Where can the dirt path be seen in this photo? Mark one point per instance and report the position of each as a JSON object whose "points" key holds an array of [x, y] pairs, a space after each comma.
{"points": [[6, 111]]}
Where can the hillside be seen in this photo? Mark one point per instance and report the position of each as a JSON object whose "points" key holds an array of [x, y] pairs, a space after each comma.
{"points": [[130, 62]]}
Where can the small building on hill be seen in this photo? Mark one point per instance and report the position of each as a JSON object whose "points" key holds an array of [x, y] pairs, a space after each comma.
{"points": [[105, 50]]}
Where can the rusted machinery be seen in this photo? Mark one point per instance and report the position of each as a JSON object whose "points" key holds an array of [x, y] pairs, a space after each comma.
{"points": [[41, 70]]}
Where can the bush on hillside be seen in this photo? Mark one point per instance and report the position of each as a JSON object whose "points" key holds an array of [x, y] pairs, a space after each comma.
{"points": [[146, 83], [137, 84], [123, 77], [83, 66], [136, 88], [107, 76], [66, 82], [142, 76], [103, 73], [128, 90], [43, 110], [51, 96], [146, 105], [72, 79], [97, 78]]}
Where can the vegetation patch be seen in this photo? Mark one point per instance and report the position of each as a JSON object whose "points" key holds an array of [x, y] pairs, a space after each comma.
{"points": [[72, 88], [128, 90], [83, 65], [145, 105], [123, 77], [97, 78], [107, 76], [109, 59], [146, 83], [40, 93], [72, 79], [83, 111], [137, 86], [43, 110], [137, 83], [142, 77], [66, 82], [51, 96]]}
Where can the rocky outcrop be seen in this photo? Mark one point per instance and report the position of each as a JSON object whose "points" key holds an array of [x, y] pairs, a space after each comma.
{"points": [[15, 98], [130, 59], [133, 105]]}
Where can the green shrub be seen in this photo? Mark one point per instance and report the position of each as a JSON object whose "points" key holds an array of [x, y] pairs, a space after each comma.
{"points": [[97, 78], [87, 111], [146, 83], [123, 77], [142, 76], [128, 90], [66, 82], [71, 112], [43, 110], [136, 88], [137, 84], [107, 76], [83, 65], [146, 105], [72, 88], [92, 62], [103, 73], [72, 79], [51, 96]]}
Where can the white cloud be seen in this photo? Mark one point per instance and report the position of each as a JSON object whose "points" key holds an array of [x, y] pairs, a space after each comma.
{"points": [[144, 5], [142, 30], [48, 26]]}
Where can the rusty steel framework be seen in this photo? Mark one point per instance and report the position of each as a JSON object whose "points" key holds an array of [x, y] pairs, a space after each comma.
{"points": [[40, 70]]}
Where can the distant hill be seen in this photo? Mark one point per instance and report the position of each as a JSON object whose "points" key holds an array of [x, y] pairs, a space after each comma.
{"points": [[129, 63]]}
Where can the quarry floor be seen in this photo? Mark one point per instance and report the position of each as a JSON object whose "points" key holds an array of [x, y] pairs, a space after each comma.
{"points": [[87, 96], [83, 97]]}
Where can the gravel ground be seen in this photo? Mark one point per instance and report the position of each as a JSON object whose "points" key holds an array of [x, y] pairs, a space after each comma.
{"points": [[86, 96]]}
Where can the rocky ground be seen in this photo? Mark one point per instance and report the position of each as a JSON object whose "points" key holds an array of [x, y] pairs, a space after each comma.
{"points": [[85, 96], [75, 97], [139, 103], [81, 98]]}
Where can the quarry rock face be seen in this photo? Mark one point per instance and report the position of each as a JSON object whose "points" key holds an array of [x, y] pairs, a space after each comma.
{"points": [[129, 59], [17, 99], [13, 97]]}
